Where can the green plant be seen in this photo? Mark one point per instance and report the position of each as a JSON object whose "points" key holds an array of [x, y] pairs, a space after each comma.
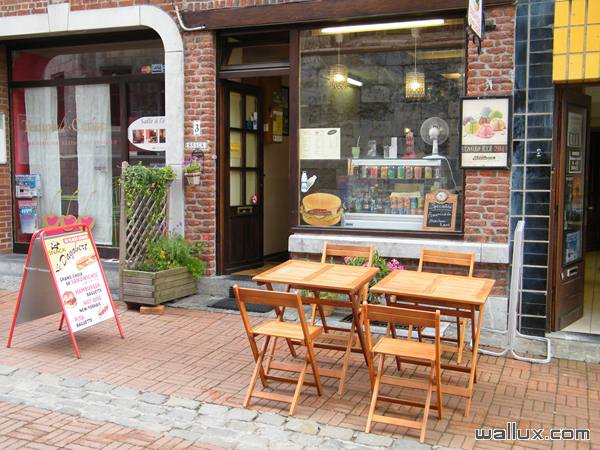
{"points": [[385, 267], [171, 251], [142, 182], [192, 167]]}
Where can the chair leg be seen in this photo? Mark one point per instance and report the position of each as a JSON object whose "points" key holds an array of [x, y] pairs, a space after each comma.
{"points": [[426, 409], [438, 388], [257, 370], [313, 315], [461, 339], [299, 386], [346, 358], [409, 334], [315, 369], [375, 393]]}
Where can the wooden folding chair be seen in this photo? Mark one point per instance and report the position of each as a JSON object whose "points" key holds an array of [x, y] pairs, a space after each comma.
{"points": [[467, 260], [408, 351], [298, 332], [331, 251]]}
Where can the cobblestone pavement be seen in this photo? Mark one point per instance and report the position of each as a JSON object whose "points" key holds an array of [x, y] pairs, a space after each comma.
{"points": [[202, 358], [68, 412]]}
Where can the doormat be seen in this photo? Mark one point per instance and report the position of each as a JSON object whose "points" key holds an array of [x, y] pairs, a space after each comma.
{"points": [[231, 304]]}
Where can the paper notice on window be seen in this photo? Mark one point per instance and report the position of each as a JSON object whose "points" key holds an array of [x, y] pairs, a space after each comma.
{"points": [[320, 143], [574, 130]]}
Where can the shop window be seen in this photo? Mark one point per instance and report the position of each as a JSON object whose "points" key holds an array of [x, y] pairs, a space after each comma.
{"points": [[75, 135], [364, 96]]}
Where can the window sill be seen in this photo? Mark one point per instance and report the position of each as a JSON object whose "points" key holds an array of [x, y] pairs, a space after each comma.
{"points": [[401, 247]]}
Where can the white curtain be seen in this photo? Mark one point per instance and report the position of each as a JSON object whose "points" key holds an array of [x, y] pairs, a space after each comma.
{"points": [[44, 148], [94, 158]]}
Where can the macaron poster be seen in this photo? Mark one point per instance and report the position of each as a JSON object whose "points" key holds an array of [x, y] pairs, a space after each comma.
{"points": [[485, 131], [78, 277]]}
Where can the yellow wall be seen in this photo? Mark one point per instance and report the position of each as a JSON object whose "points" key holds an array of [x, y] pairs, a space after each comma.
{"points": [[576, 41]]}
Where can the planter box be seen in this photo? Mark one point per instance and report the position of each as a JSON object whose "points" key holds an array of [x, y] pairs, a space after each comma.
{"points": [[154, 288]]}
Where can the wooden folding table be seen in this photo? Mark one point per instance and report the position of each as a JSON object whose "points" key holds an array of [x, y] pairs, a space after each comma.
{"points": [[319, 277], [467, 294]]}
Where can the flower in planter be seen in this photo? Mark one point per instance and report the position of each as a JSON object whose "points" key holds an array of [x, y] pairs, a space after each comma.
{"points": [[192, 167], [384, 266]]}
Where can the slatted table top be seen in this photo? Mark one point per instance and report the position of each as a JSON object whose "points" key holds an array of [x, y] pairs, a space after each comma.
{"points": [[435, 287], [312, 275]]}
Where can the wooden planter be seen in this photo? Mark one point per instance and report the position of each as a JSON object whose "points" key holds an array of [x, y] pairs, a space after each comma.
{"points": [[154, 288]]}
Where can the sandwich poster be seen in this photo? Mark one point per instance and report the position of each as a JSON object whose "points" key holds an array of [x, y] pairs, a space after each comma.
{"points": [[78, 277]]}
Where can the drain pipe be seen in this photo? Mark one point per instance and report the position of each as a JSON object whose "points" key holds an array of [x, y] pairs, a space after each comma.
{"points": [[182, 25]]}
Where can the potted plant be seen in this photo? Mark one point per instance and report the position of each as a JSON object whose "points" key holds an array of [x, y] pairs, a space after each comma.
{"points": [[170, 270], [385, 267], [192, 172]]}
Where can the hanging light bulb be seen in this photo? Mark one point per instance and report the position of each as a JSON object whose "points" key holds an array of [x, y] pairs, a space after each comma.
{"points": [[338, 73], [414, 81]]}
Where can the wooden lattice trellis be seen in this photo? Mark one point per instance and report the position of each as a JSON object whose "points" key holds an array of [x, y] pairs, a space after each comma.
{"points": [[136, 230]]}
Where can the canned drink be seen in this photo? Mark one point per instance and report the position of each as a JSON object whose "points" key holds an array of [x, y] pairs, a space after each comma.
{"points": [[391, 172], [406, 206], [414, 202], [383, 172], [363, 171], [418, 173], [401, 172], [428, 172], [408, 172], [437, 172], [373, 171]]}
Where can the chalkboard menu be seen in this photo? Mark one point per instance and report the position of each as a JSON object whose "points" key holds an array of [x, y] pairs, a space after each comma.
{"points": [[440, 211]]}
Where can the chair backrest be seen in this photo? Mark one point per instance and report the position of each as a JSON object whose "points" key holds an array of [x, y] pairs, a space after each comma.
{"points": [[276, 299], [449, 258], [343, 250], [393, 315]]}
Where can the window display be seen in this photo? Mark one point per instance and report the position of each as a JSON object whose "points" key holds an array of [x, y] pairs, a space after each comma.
{"points": [[71, 135], [371, 149]]}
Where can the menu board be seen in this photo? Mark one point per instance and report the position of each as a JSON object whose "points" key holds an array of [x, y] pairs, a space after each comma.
{"points": [[320, 143], [440, 211], [78, 277]]}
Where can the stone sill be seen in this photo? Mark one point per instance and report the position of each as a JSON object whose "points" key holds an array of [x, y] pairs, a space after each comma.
{"points": [[410, 248]]}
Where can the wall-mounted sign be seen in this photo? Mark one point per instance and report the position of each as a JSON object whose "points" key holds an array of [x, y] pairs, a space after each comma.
{"points": [[202, 145], [440, 211], [475, 17], [196, 128], [149, 133], [320, 143], [27, 185], [486, 132]]}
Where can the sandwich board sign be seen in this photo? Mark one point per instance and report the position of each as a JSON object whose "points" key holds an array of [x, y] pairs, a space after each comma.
{"points": [[63, 274]]}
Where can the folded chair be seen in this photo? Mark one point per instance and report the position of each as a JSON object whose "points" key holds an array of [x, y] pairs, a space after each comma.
{"points": [[407, 351], [298, 332], [331, 251], [467, 260]]}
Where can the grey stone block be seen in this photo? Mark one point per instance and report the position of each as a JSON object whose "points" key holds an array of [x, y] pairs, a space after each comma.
{"points": [[6, 370], [407, 444], [184, 414], [241, 425], [213, 410], [186, 434], [371, 439], [152, 398], [331, 431], [68, 411], [98, 386], [124, 392], [241, 414], [73, 382], [302, 426], [48, 379], [183, 403], [270, 419], [97, 397], [24, 374]]}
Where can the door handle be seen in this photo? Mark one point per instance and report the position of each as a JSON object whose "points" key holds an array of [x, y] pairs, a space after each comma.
{"points": [[590, 208], [245, 209]]}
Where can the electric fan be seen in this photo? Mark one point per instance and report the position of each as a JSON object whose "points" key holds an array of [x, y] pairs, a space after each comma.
{"points": [[434, 131]]}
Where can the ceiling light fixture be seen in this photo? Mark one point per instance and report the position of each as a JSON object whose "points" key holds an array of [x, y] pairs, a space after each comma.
{"points": [[414, 82], [383, 26], [338, 73]]}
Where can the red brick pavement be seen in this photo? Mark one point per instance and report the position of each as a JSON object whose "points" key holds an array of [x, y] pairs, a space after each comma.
{"points": [[205, 356], [23, 427]]}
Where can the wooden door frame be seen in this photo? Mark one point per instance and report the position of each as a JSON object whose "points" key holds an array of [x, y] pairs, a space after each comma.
{"points": [[557, 193]]}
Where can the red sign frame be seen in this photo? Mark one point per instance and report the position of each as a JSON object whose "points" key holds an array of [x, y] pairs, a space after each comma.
{"points": [[53, 232]]}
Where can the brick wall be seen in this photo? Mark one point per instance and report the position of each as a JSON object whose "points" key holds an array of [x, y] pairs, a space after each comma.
{"points": [[487, 192]]}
